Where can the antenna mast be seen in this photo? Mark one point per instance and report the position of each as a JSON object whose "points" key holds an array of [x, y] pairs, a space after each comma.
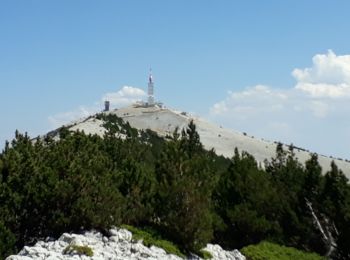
{"points": [[150, 89]]}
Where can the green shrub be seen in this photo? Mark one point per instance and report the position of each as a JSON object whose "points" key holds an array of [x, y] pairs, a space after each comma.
{"points": [[270, 251], [80, 250], [205, 254], [150, 238], [7, 241]]}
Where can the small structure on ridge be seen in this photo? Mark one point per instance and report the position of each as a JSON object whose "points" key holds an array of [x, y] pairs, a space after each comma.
{"points": [[107, 104]]}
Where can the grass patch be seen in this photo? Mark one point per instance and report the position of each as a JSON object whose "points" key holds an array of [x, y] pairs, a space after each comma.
{"points": [[80, 250], [270, 251], [205, 254], [150, 237]]}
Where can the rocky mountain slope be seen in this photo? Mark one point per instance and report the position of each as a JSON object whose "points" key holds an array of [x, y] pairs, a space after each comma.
{"points": [[164, 121], [118, 246]]}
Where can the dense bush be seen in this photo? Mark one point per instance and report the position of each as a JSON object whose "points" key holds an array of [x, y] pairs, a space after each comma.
{"points": [[189, 195], [270, 251], [248, 203], [152, 238], [7, 241]]}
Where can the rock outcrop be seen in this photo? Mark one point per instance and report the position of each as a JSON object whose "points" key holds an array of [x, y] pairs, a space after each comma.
{"points": [[218, 253], [119, 245]]}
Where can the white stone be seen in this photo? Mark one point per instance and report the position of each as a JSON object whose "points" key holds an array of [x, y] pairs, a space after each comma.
{"points": [[113, 232], [114, 239], [124, 235], [105, 239], [157, 250], [77, 241], [66, 238], [18, 257], [220, 254], [118, 247]]}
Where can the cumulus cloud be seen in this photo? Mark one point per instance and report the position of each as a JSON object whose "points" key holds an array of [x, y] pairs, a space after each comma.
{"points": [[124, 97], [312, 113], [243, 104], [127, 95], [329, 76]]}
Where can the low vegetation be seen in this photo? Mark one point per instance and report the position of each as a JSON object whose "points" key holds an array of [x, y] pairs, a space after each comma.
{"points": [[79, 250], [189, 195], [205, 254], [270, 251], [152, 238]]}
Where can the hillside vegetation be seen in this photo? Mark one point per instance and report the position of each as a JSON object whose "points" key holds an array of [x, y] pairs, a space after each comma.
{"points": [[187, 194], [270, 251]]}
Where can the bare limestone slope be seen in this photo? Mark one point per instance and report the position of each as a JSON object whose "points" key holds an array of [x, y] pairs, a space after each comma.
{"points": [[164, 121]]}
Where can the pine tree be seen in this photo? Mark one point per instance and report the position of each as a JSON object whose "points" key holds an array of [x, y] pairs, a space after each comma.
{"points": [[186, 180], [247, 203], [313, 174]]}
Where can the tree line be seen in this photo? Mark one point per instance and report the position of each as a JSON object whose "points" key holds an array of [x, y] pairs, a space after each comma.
{"points": [[191, 196]]}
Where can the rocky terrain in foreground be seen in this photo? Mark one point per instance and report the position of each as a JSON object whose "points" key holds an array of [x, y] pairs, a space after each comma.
{"points": [[119, 245]]}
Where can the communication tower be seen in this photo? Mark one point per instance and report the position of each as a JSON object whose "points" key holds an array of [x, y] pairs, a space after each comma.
{"points": [[150, 90]]}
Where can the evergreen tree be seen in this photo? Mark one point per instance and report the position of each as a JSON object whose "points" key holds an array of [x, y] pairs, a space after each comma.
{"points": [[186, 180], [312, 186], [48, 187], [336, 206], [247, 203]]}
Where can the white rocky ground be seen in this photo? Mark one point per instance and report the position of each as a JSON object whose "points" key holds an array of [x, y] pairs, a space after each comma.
{"points": [[118, 246], [164, 121]]}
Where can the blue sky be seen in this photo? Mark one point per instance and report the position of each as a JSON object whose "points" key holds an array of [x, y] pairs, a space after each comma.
{"points": [[279, 70]]}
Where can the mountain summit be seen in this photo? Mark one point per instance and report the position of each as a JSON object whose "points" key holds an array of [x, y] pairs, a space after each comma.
{"points": [[165, 121]]}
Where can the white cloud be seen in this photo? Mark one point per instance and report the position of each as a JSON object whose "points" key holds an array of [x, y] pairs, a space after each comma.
{"points": [[328, 77], [244, 103], [125, 96], [314, 113], [325, 90], [66, 117]]}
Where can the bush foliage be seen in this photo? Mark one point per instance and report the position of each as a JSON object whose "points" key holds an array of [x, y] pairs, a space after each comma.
{"points": [[79, 250], [270, 251], [152, 238], [189, 195], [205, 254]]}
